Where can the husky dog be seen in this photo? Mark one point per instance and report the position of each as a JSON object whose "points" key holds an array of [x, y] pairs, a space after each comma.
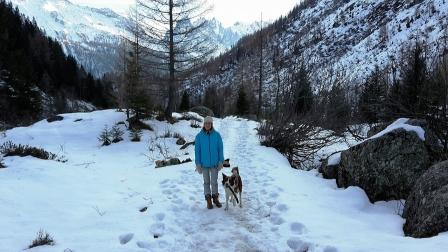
{"points": [[233, 186]]}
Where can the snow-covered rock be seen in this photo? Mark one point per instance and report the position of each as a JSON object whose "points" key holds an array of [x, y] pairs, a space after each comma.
{"points": [[329, 167], [387, 164]]}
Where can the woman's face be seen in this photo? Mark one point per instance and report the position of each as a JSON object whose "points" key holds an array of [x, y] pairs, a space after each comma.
{"points": [[207, 125]]}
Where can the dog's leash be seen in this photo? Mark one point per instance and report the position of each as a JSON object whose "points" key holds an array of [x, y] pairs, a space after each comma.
{"points": [[237, 201]]}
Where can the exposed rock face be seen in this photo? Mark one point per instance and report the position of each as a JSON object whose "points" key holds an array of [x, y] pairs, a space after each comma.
{"points": [[55, 118], [426, 209], [431, 141], [328, 168], [376, 129], [385, 167]]}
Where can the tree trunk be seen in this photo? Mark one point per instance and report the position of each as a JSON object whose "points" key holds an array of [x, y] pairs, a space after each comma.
{"points": [[171, 81], [261, 72]]}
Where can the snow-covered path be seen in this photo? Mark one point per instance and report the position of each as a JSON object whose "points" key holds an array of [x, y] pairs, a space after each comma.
{"points": [[92, 202]]}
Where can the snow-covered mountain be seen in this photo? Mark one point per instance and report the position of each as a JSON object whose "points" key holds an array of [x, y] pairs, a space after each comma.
{"points": [[349, 36], [226, 37], [91, 35]]}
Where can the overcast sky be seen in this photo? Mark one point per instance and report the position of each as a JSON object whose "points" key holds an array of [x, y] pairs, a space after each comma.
{"points": [[226, 11]]}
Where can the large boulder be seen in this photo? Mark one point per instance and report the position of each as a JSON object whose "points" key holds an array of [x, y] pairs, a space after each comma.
{"points": [[426, 209], [386, 166]]}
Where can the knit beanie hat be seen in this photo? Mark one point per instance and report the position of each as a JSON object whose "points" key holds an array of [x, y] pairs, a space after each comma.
{"points": [[208, 119]]}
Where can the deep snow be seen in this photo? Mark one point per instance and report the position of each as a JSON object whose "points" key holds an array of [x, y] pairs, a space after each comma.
{"points": [[92, 202]]}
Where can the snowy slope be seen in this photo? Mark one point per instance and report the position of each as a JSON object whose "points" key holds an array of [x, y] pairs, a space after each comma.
{"points": [[92, 200], [348, 37]]}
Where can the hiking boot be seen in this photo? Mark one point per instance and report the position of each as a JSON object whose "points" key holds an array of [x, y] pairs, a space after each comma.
{"points": [[216, 200], [208, 198]]}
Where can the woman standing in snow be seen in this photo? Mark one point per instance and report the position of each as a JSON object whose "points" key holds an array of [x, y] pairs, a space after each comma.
{"points": [[209, 158]]}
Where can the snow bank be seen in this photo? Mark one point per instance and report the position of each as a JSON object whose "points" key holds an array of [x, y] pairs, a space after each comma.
{"points": [[334, 159], [94, 201]]}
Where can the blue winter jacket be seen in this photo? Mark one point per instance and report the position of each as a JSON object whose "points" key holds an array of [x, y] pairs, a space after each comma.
{"points": [[208, 149]]}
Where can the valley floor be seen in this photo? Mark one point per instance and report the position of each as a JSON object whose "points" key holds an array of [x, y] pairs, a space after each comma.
{"points": [[92, 202]]}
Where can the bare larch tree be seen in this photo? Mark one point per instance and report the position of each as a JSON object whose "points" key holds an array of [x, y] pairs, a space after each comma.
{"points": [[174, 33]]}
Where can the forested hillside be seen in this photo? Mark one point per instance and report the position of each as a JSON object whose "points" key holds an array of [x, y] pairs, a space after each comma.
{"points": [[36, 78]]}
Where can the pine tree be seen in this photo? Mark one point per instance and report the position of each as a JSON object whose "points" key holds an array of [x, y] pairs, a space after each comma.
{"points": [[136, 97], [211, 99], [338, 110], [185, 102], [116, 134], [414, 78], [105, 136], [242, 105], [136, 135], [303, 93], [373, 96]]}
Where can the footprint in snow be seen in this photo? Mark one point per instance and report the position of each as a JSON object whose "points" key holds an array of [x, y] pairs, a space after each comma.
{"points": [[125, 238], [276, 220], [167, 191], [273, 195], [296, 244], [178, 201], [330, 249], [157, 229], [282, 208], [159, 217], [297, 228], [145, 245], [164, 181]]}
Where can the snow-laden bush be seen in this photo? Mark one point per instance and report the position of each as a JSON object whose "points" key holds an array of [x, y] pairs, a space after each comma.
{"points": [[11, 149], [177, 135], [105, 136], [136, 135], [188, 117], [195, 124], [167, 134], [43, 238], [116, 134]]}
